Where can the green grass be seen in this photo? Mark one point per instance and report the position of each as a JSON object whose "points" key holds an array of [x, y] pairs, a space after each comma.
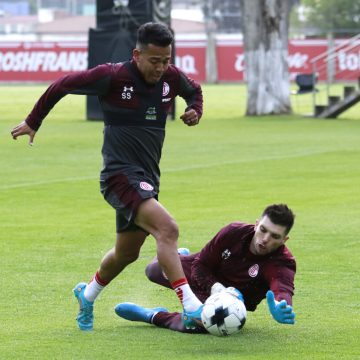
{"points": [[55, 227]]}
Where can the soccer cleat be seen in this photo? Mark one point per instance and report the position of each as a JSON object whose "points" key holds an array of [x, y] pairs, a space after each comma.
{"points": [[191, 320], [85, 316], [133, 312], [183, 251]]}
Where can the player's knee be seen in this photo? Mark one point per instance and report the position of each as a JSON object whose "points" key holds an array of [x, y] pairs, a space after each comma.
{"points": [[149, 272], [170, 232], [127, 257], [132, 258]]}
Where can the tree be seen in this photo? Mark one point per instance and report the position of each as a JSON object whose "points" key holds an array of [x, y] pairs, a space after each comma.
{"points": [[332, 15], [265, 27]]}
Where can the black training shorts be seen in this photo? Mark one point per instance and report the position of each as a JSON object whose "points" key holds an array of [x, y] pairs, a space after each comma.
{"points": [[125, 192]]}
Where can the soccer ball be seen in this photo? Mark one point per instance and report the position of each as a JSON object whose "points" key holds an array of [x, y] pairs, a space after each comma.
{"points": [[223, 314]]}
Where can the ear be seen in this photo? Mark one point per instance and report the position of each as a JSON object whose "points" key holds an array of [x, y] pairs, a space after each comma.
{"points": [[286, 238], [136, 54], [256, 224]]}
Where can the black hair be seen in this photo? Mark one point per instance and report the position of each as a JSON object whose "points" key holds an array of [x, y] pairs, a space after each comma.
{"points": [[154, 33], [280, 214]]}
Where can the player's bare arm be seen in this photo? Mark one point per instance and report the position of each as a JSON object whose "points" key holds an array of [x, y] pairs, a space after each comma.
{"points": [[23, 129], [190, 117]]}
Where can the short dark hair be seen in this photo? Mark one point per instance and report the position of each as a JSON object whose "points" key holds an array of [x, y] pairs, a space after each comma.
{"points": [[154, 33], [280, 214]]}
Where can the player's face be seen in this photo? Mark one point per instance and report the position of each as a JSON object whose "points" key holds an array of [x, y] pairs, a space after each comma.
{"points": [[268, 237], [152, 61]]}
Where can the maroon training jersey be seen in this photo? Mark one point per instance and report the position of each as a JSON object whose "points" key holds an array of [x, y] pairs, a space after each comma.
{"points": [[228, 260], [134, 112]]}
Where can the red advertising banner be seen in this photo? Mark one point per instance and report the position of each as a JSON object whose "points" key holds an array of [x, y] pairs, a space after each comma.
{"points": [[300, 54], [40, 61], [348, 62], [46, 61], [231, 59], [191, 58]]}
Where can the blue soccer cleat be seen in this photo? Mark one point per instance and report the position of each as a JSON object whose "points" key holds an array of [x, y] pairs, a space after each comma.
{"points": [[133, 312], [192, 320], [183, 251], [85, 316]]}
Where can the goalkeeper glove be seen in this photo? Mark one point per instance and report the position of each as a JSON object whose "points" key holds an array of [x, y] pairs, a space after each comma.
{"points": [[217, 288], [280, 310]]}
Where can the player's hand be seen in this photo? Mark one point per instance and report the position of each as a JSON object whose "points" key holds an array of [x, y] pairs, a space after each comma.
{"points": [[23, 129], [281, 311], [190, 117]]}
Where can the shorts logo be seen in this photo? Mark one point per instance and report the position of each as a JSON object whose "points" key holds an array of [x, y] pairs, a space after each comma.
{"points": [[254, 270], [166, 88], [146, 186]]}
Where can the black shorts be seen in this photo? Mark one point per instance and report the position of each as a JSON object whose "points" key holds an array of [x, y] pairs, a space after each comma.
{"points": [[125, 193]]}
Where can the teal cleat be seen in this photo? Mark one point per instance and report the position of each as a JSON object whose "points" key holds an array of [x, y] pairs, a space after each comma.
{"points": [[192, 320], [183, 251], [85, 316], [133, 312]]}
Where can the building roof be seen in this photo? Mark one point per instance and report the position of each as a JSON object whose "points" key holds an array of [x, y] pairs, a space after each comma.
{"points": [[68, 25]]}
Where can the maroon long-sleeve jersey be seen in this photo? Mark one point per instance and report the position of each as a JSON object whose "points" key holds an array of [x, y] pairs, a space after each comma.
{"points": [[134, 112], [228, 260]]}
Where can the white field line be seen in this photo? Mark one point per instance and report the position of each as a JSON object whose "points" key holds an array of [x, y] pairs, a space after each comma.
{"points": [[169, 170]]}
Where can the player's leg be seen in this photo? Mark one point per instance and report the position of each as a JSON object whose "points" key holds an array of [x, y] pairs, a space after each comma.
{"points": [[156, 316], [133, 312], [155, 273], [125, 251], [173, 321], [124, 196], [155, 219]]}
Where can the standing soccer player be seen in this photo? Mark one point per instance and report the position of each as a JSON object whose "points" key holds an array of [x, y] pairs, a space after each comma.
{"points": [[135, 97], [253, 259]]}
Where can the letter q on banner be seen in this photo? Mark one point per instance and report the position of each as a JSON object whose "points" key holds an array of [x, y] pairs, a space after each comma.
{"points": [[191, 59]]}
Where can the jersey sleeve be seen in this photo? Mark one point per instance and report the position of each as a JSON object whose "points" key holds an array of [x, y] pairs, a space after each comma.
{"points": [[191, 92], [206, 263], [95, 81], [280, 276]]}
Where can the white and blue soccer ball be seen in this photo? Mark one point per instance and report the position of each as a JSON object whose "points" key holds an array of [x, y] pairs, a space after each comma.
{"points": [[223, 314]]}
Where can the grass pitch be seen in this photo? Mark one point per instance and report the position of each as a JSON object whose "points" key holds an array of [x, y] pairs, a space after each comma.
{"points": [[55, 227]]}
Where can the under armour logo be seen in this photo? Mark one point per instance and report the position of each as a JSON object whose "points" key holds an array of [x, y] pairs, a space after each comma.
{"points": [[130, 88], [226, 254]]}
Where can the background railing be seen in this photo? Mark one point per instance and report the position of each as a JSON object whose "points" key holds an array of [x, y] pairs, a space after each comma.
{"points": [[334, 64]]}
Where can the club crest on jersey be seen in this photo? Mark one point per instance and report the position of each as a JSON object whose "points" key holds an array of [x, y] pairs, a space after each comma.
{"points": [[150, 113], [166, 88], [226, 254], [146, 186], [254, 270]]}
